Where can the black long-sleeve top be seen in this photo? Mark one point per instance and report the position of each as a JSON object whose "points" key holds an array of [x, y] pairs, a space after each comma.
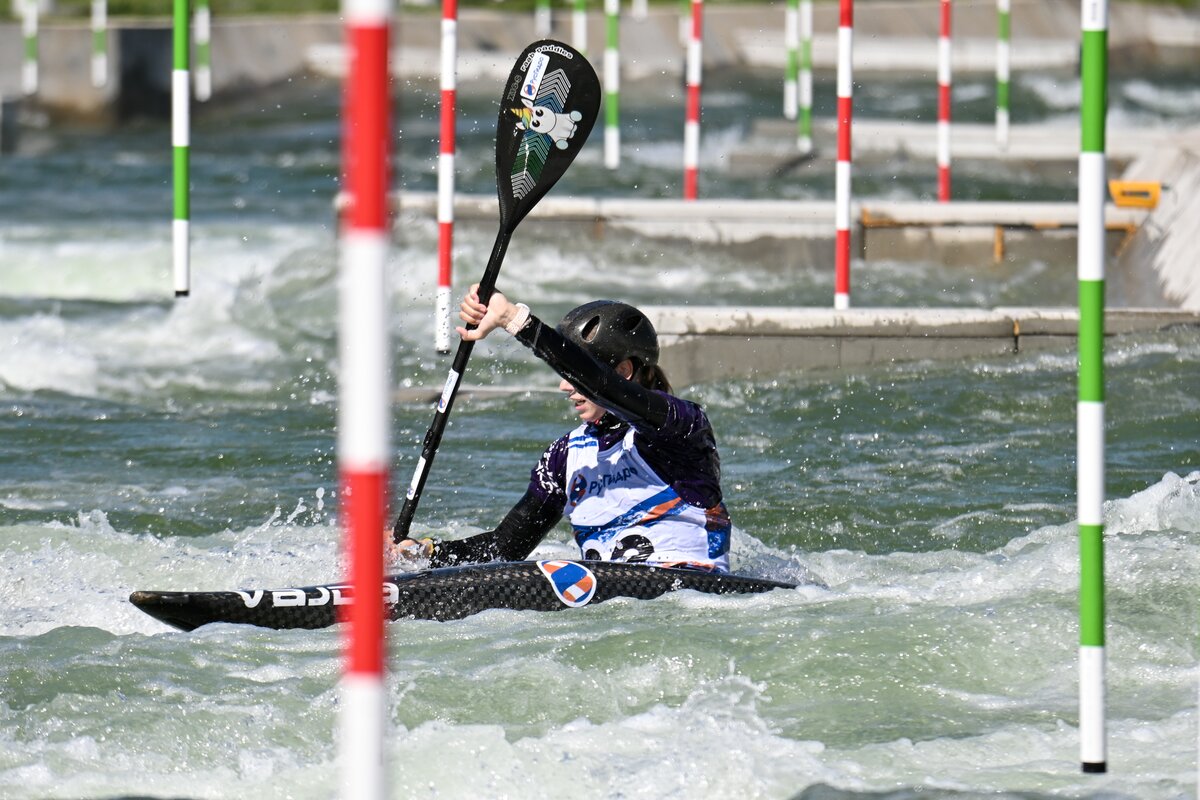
{"points": [[673, 436]]}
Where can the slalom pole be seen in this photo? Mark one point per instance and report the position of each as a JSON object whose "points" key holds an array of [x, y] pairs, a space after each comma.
{"points": [[180, 138], [943, 123], [29, 33], [691, 128], [639, 9], [542, 18], [1003, 57], [203, 51], [791, 43], [579, 26], [1090, 410], [845, 107], [363, 408], [445, 206], [99, 43], [804, 141], [612, 84]]}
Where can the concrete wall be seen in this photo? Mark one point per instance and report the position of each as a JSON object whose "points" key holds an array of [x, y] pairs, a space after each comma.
{"points": [[1169, 242], [247, 54], [711, 343]]}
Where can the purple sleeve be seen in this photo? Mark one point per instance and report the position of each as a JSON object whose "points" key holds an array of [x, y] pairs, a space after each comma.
{"points": [[685, 420], [683, 451], [548, 479]]}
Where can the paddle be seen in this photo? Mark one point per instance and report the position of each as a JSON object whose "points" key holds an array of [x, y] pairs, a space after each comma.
{"points": [[549, 105]]}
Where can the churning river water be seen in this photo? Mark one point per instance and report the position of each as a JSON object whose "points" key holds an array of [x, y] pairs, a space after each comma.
{"points": [[149, 443]]}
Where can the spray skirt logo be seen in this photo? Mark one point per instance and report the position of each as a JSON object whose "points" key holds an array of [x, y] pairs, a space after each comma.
{"points": [[573, 584], [545, 123]]}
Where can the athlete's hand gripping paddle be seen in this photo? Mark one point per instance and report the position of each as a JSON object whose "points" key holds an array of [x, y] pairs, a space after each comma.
{"points": [[549, 105]]}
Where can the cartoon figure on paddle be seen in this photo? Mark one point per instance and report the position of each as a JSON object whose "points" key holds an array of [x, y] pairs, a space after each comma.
{"points": [[542, 120], [545, 120]]}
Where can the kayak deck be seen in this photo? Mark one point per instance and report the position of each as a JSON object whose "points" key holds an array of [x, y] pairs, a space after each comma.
{"points": [[445, 594]]}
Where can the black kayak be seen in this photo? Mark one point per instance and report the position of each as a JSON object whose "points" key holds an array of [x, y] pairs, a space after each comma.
{"points": [[446, 593]]}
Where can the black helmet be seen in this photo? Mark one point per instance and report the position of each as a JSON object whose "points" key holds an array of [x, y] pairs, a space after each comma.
{"points": [[612, 332]]}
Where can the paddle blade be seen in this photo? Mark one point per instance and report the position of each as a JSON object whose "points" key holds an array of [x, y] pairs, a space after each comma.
{"points": [[548, 108]]}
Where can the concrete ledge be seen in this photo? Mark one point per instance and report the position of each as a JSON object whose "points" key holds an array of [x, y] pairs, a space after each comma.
{"points": [[772, 142], [743, 220], [783, 213], [913, 54], [1036, 216], [713, 343]]}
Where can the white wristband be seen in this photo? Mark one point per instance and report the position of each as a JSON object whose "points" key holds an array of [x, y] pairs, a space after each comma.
{"points": [[519, 319]]}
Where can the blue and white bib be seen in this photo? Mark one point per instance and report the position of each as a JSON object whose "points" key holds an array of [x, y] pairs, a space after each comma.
{"points": [[621, 510]]}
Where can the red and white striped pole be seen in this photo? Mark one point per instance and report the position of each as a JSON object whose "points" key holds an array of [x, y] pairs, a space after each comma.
{"points": [[445, 207], [691, 129], [943, 123], [845, 106], [363, 405]]}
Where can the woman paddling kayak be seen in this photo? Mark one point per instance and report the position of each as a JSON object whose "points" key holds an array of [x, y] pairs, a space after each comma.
{"points": [[639, 479]]}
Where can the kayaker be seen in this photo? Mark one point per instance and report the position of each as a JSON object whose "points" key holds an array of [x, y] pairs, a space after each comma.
{"points": [[639, 479]]}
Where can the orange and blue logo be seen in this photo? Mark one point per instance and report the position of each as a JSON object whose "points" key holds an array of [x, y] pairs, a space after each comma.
{"points": [[573, 583], [578, 489]]}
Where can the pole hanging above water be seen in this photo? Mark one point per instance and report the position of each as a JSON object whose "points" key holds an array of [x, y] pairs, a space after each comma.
{"points": [[804, 142], [612, 84], [943, 122], [1003, 57], [99, 43], [363, 390], [203, 51], [691, 128], [845, 106], [180, 138], [29, 34], [797, 85], [445, 190], [791, 43], [1090, 407], [579, 31]]}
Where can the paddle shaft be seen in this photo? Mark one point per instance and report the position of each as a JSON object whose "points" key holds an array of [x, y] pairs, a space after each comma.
{"points": [[433, 437]]}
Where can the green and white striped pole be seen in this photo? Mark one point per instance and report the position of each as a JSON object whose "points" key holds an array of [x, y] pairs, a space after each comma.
{"points": [[579, 33], [29, 32], [1003, 53], [99, 43], [180, 123], [203, 51], [791, 42], [804, 142], [612, 84], [1090, 409]]}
